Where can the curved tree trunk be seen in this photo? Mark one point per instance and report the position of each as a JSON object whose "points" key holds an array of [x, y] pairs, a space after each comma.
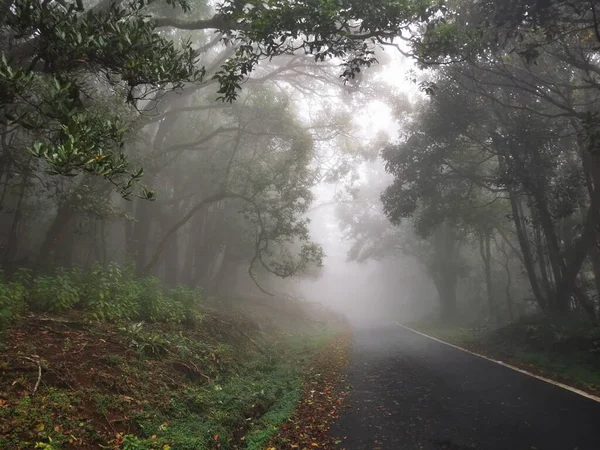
{"points": [[528, 260], [579, 251]]}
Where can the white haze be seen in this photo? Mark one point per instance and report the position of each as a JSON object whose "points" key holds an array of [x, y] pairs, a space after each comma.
{"points": [[374, 292]]}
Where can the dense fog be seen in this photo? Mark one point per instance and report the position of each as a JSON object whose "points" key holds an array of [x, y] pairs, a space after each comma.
{"points": [[438, 163]]}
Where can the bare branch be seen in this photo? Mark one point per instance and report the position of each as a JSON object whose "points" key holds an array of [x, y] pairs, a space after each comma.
{"points": [[35, 360]]}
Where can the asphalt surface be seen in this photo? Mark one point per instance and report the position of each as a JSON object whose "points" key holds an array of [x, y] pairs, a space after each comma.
{"points": [[411, 392]]}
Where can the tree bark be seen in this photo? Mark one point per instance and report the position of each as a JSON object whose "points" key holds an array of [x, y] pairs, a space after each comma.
{"points": [[486, 257], [172, 258], [13, 239], [579, 251], [540, 249], [526, 250], [141, 235], [129, 227], [55, 234]]}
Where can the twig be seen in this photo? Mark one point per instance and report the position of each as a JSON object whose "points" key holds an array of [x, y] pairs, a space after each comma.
{"points": [[63, 379], [191, 367], [81, 349], [36, 361], [239, 331], [53, 330]]}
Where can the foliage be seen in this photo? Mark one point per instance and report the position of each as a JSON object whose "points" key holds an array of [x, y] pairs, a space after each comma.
{"points": [[12, 300], [103, 294], [489, 154], [145, 343], [56, 79], [110, 294], [55, 293], [66, 63], [202, 388], [348, 30]]}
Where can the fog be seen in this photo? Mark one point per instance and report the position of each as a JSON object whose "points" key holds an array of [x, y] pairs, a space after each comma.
{"points": [[222, 220], [393, 177]]}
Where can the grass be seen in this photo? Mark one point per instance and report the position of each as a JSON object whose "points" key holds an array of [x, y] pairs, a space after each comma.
{"points": [[565, 351], [574, 368], [452, 334], [154, 386], [126, 364]]}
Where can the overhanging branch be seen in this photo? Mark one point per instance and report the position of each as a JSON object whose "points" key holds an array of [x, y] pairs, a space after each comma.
{"points": [[216, 22]]}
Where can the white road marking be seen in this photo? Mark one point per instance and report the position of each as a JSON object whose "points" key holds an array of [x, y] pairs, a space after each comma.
{"points": [[501, 363]]}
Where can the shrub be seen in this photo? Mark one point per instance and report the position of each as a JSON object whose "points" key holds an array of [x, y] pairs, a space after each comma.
{"points": [[12, 300], [154, 306], [112, 293], [187, 303], [57, 293], [105, 294]]}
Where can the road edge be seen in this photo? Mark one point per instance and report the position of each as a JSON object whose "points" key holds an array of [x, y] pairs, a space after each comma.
{"points": [[509, 366]]}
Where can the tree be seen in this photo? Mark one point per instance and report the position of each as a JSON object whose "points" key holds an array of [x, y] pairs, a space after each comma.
{"points": [[72, 77], [481, 141]]}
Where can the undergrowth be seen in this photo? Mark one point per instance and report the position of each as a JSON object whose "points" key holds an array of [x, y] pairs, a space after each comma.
{"points": [[150, 388], [127, 365], [103, 294]]}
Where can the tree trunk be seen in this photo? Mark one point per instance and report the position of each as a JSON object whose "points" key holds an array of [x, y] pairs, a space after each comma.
{"points": [[13, 239], [526, 249], [586, 304], [506, 265], [172, 256], [579, 251], [445, 285], [444, 269], [595, 257], [55, 234], [180, 223], [541, 260], [129, 225], [486, 258], [141, 235]]}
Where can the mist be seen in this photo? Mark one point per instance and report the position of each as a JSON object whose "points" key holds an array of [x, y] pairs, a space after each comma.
{"points": [[221, 220]]}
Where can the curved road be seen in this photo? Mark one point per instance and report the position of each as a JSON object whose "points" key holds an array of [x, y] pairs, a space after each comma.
{"points": [[410, 392]]}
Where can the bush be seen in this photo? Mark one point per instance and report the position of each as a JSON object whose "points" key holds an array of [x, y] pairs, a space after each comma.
{"points": [[153, 304], [112, 293], [12, 300], [187, 302], [178, 305], [56, 293], [105, 294]]}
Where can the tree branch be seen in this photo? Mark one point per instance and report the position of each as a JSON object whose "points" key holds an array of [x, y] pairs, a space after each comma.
{"points": [[216, 22], [202, 140]]}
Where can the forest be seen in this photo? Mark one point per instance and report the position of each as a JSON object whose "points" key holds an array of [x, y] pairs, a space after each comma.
{"points": [[181, 164]]}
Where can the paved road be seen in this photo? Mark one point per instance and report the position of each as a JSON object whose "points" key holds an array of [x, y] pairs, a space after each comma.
{"points": [[410, 392]]}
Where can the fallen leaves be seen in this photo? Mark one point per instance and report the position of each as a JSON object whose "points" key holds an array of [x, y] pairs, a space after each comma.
{"points": [[322, 400]]}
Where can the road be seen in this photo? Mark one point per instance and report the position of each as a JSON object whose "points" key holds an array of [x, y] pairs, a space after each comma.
{"points": [[411, 392]]}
